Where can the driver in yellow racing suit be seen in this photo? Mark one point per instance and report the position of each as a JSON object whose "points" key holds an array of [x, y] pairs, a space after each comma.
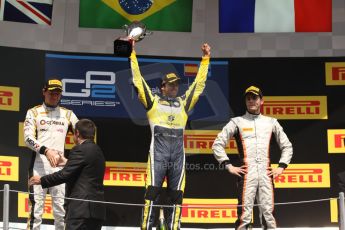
{"points": [[167, 114]]}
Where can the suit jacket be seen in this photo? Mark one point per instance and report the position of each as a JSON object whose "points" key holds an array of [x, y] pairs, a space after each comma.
{"points": [[83, 175], [341, 181]]}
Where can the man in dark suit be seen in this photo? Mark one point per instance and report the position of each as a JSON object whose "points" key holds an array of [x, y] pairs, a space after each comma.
{"points": [[83, 175]]}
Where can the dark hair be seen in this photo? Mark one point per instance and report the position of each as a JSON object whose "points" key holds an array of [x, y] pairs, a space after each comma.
{"points": [[86, 128]]}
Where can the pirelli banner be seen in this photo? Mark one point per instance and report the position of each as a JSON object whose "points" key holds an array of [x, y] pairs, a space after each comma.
{"points": [[295, 176], [295, 107], [24, 206], [125, 174], [9, 168], [335, 73], [336, 141], [304, 176], [193, 211], [9, 98], [306, 96], [201, 141], [209, 211]]}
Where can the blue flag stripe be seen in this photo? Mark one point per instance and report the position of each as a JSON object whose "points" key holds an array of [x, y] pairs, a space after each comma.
{"points": [[236, 16]]}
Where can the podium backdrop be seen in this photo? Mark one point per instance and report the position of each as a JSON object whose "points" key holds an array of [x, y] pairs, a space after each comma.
{"points": [[305, 94]]}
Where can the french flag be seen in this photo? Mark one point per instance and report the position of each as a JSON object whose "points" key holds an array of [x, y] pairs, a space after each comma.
{"points": [[274, 16]]}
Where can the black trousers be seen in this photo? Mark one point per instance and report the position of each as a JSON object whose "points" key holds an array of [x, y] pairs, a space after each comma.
{"points": [[83, 224]]}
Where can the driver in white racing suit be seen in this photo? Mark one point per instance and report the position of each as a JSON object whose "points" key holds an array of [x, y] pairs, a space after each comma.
{"points": [[45, 130], [253, 133]]}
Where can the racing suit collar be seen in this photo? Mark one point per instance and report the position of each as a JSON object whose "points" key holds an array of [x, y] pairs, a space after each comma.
{"points": [[168, 98], [50, 108], [252, 115]]}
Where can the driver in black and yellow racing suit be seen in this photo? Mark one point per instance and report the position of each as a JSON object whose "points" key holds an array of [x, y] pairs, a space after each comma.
{"points": [[167, 114]]}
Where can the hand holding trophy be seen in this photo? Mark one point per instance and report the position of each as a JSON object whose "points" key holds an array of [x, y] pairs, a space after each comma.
{"points": [[135, 31]]}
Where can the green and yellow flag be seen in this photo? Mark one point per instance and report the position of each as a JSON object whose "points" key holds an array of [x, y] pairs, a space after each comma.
{"points": [[163, 15]]}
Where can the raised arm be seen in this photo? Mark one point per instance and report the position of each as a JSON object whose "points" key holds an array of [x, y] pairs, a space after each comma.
{"points": [[192, 94], [144, 92]]}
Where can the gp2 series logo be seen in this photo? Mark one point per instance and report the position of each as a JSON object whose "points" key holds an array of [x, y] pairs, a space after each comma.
{"points": [[97, 89], [97, 85]]}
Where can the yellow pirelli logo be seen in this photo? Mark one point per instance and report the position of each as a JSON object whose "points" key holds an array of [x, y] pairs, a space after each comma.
{"points": [[209, 210], [336, 140], [201, 141], [9, 168], [304, 176], [69, 143], [9, 98], [125, 174], [335, 73], [24, 206], [295, 107]]}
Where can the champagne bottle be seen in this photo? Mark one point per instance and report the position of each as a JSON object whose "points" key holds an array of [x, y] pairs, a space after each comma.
{"points": [[161, 223]]}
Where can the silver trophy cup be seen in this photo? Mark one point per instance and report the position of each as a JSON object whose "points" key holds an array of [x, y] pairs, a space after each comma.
{"points": [[135, 31]]}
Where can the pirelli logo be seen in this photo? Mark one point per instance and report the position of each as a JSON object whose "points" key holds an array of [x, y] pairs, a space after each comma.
{"points": [[69, 143], [336, 140], [335, 73], [304, 176], [9, 168], [334, 210], [295, 107], [209, 210], [124, 174], [24, 206], [9, 98], [201, 141]]}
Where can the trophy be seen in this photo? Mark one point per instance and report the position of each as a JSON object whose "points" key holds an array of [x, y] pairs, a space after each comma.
{"points": [[135, 31]]}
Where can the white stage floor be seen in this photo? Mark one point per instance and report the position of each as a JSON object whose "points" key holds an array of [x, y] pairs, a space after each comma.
{"points": [[15, 226]]}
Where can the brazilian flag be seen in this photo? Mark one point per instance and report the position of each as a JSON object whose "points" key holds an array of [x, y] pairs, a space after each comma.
{"points": [[163, 15]]}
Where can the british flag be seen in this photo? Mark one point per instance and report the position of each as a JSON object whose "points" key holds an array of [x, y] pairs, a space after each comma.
{"points": [[29, 11]]}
